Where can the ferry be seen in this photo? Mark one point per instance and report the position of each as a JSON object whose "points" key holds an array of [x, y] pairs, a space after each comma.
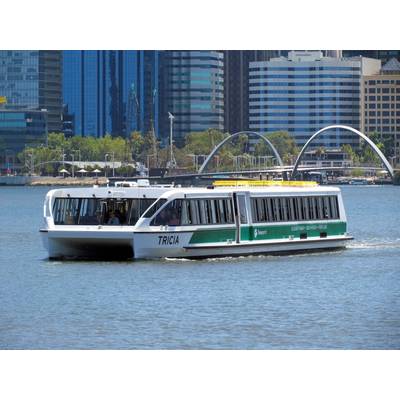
{"points": [[359, 181], [96, 222], [139, 221], [242, 218]]}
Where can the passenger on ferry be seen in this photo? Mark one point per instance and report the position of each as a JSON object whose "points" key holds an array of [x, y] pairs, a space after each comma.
{"points": [[163, 217], [174, 220], [113, 220], [69, 219]]}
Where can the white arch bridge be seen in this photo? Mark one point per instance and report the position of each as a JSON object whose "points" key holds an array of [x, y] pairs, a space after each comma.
{"points": [[294, 170]]}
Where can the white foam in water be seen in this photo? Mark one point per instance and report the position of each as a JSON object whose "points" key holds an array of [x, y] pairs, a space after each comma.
{"points": [[369, 244]]}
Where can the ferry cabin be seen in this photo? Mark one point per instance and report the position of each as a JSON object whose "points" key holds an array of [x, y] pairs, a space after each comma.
{"points": [[95, 222], [238, 221]]}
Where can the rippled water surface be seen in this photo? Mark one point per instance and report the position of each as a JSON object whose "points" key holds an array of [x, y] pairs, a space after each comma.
{"points": [[342, 300]]}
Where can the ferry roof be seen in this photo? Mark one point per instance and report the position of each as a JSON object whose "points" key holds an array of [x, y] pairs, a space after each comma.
{"points": [[153, 191], [268, 190]]}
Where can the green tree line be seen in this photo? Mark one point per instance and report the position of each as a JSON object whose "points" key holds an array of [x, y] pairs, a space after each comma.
{"points": [[241, 152]]}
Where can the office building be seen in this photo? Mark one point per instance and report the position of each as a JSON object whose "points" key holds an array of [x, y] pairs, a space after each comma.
{"points": [[20, 128], [383, 55], [110, 91], [32, 80], [193, 91], [381, 105], [305, 92], [236, 85]]}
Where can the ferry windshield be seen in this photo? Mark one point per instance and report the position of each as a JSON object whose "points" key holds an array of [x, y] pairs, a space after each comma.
{"points": [[97, 211]]}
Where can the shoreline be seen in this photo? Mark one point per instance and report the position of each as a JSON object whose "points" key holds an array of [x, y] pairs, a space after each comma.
{"points": [[23, 180]]}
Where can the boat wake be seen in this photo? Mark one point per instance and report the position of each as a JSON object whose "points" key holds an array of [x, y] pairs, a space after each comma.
{"points": [[369, 244]]}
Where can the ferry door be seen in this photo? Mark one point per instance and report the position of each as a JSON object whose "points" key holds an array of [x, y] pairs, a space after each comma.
{"points": [[240, 212]]}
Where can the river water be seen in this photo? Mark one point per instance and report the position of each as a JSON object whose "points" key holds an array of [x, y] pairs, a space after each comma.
{"points": [[348, 299]]}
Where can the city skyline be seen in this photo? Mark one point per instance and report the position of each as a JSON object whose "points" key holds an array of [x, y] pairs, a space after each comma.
{"points": [[95, 92]]}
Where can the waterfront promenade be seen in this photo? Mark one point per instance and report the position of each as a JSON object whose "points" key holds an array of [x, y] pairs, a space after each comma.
{"points": [[23, 180]]}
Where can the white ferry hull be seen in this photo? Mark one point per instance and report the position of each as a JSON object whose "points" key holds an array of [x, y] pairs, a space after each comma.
{"points": [[85, 245], [147, 246]]}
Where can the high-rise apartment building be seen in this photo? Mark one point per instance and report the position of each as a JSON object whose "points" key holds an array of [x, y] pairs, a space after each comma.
{"points": [[381, 105], [111, 91], [31, 80], [306, 92], [193, 91]]}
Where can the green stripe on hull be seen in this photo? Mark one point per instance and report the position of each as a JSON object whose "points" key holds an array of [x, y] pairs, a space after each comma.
{"points": [[269, 232], [212, 236]]}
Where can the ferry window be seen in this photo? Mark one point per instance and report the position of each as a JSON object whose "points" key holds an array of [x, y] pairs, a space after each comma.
{"points": [[97, 211], [284, 209], [311, 204], [170, 215], [144, 204], [326, 208], [321, 214], [242, 209], [134, 209], [261, 210], [290, 209], [185, 217], [206, 212], [194, 212], [155, 207], [254, 211], [222, 211], [276, 209], [203, 212], [65, 211], [306, 214], [92, 212], [270, 210], [293, 209], [213, 211], [229, 211], [299, 208], [133, 214], [334, 207]]}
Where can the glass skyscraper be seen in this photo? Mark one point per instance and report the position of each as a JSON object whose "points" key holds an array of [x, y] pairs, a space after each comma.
{"points": [[305, 92], [236, 85], [20, 128], [31, 79], [110, 91], [193, 88]]}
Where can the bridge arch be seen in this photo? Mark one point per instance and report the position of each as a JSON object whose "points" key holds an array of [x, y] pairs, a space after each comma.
{"points": [[230, 137], [347, 128]]}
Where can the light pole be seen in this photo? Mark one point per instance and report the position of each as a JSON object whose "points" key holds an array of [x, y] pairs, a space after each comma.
{"points": [[73, 162], [105, 164], [113, 154], [171, 154]]}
